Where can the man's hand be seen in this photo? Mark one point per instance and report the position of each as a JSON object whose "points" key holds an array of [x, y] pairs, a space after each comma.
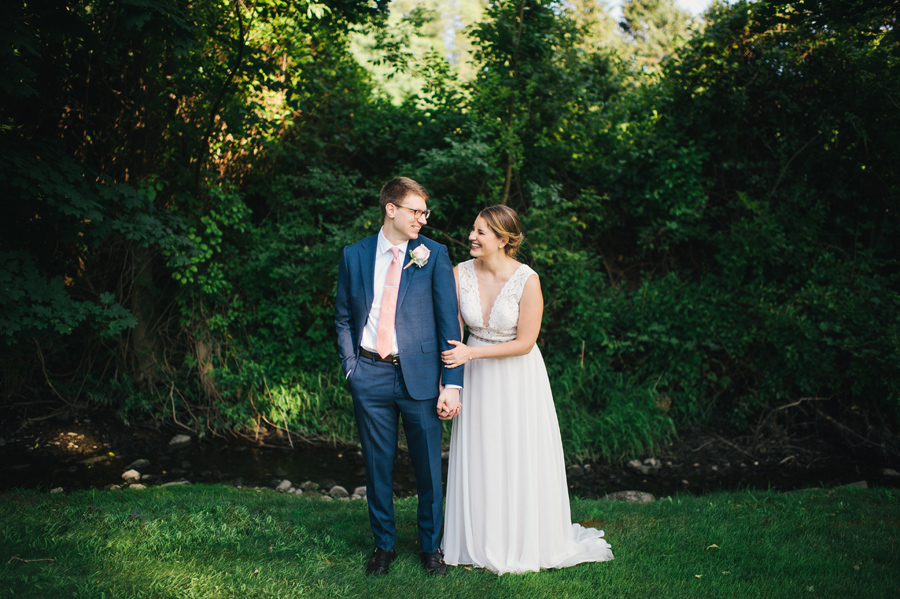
{"points": [[448, 405]]}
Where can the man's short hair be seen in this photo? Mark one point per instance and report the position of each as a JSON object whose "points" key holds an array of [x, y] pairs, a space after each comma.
{"points": [[395, 190]]}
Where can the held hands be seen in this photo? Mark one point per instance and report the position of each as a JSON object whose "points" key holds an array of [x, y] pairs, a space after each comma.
{"points": [[448, 405], [457, 356]]}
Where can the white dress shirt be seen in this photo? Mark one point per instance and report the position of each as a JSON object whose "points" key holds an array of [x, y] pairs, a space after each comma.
{"points": [[383, 257]]}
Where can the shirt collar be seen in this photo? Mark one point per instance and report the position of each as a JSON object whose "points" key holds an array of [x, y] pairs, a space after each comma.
{"points": [[385, 246]]}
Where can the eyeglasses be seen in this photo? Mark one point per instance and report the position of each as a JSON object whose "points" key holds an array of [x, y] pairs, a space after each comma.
{"points": [[417, 213]]}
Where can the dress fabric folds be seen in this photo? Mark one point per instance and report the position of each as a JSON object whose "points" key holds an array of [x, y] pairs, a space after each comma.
{"points": [[507, 497]]}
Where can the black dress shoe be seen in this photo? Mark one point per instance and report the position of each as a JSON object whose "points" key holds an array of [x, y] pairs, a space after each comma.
{"points": [[380, 561], [434, 563]]}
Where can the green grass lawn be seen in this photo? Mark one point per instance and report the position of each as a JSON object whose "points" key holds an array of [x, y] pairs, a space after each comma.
{"points": [[215, 541]]}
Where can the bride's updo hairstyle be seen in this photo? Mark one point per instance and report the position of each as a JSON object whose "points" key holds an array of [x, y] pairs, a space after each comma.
{"points": [[504, 222]]}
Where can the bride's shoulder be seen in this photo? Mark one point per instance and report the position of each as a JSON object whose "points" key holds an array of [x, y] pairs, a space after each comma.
{"points": [[525, 271], [464, 267]]}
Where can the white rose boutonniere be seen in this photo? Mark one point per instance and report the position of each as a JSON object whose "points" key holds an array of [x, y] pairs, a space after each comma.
{"points": [[418, 256]]}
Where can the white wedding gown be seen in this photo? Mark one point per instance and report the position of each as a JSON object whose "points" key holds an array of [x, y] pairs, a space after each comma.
{"points": [[507, 496]]}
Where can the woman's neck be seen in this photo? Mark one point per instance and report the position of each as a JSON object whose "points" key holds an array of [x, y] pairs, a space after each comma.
{"points": [[497, 264]]}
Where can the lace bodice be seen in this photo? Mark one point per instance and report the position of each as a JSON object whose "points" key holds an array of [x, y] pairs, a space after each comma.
{"points": [[504, 314]]}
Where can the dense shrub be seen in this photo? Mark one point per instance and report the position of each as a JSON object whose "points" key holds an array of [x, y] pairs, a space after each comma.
{"points": [[714, 241]]}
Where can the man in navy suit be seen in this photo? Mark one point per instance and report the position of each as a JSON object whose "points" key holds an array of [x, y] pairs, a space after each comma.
{"points": [[396, 310]]}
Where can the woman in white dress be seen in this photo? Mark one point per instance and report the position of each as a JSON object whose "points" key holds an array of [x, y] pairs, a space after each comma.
{"points": [[507, 496]]}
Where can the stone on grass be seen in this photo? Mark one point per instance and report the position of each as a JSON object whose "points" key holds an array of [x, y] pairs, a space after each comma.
{"points": [[137, 486], [284, 486], [631, 497], [861, 484], [56, 490], [360, 491], [338, 492], [309, 487]]}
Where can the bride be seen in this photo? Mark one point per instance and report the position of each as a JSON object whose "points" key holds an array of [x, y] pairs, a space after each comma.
{"points": [[507, 499]]}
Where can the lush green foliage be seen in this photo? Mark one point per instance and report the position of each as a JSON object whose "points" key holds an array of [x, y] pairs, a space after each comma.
{"points": [[654, 30], [785, 243], [714, 240], [214, 541]]}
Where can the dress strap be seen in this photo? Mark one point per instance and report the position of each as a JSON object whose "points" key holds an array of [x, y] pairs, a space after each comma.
{"points": [[516, 284]]}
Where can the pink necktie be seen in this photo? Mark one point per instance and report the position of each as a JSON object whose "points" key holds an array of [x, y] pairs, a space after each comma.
{"points": [[384, 343]]}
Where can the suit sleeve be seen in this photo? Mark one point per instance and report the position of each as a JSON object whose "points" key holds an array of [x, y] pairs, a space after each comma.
{"points": [[446, 312], [343, 318]]}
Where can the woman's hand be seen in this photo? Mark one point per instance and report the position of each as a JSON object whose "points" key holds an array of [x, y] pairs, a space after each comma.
{"points": [[459, 355], [448, 405]]}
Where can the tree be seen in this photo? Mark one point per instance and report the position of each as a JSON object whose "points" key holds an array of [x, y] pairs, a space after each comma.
{"points": [[399, 47], [124, 124], [755, 213], [532, 85], [653, 29]]}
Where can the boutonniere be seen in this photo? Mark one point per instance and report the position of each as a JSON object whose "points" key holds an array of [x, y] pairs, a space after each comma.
{"points": [[418, 256]]}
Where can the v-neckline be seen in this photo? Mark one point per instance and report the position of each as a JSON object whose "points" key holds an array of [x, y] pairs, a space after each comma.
{"points": [[487, 324]]}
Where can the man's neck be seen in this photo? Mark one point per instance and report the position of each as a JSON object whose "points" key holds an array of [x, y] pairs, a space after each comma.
{"points": [[392, 236]]}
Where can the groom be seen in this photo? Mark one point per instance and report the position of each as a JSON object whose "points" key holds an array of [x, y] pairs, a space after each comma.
{"points": [[396, 309]]}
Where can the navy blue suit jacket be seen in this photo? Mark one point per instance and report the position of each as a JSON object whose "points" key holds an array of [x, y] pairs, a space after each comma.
{"points": [[427, 313]]}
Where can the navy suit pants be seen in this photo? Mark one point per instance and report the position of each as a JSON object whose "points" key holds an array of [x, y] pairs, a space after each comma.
{"points": [[380, 398]]}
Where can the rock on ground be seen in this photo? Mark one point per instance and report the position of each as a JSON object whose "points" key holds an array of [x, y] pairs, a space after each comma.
{"points": [[130, 476], [631, 497], [179, 441]]}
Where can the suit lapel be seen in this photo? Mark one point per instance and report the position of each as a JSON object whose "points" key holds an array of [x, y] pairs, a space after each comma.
{"points": [[367, 266]]}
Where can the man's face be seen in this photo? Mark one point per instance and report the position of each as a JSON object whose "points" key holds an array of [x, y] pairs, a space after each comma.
{"points": [[401, 223]]}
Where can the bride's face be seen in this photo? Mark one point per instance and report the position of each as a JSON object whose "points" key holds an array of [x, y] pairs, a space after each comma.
{"points": [[483, 242]]}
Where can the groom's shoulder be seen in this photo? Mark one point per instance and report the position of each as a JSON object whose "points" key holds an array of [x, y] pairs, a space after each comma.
{"points": [[362, 244], [431, 244]]}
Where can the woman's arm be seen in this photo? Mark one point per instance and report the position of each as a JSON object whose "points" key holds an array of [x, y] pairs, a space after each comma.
{"points": [[462, 324]]}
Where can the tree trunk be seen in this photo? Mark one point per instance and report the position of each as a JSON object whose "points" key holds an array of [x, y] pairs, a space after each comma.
{"points": [[143, 347]]}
